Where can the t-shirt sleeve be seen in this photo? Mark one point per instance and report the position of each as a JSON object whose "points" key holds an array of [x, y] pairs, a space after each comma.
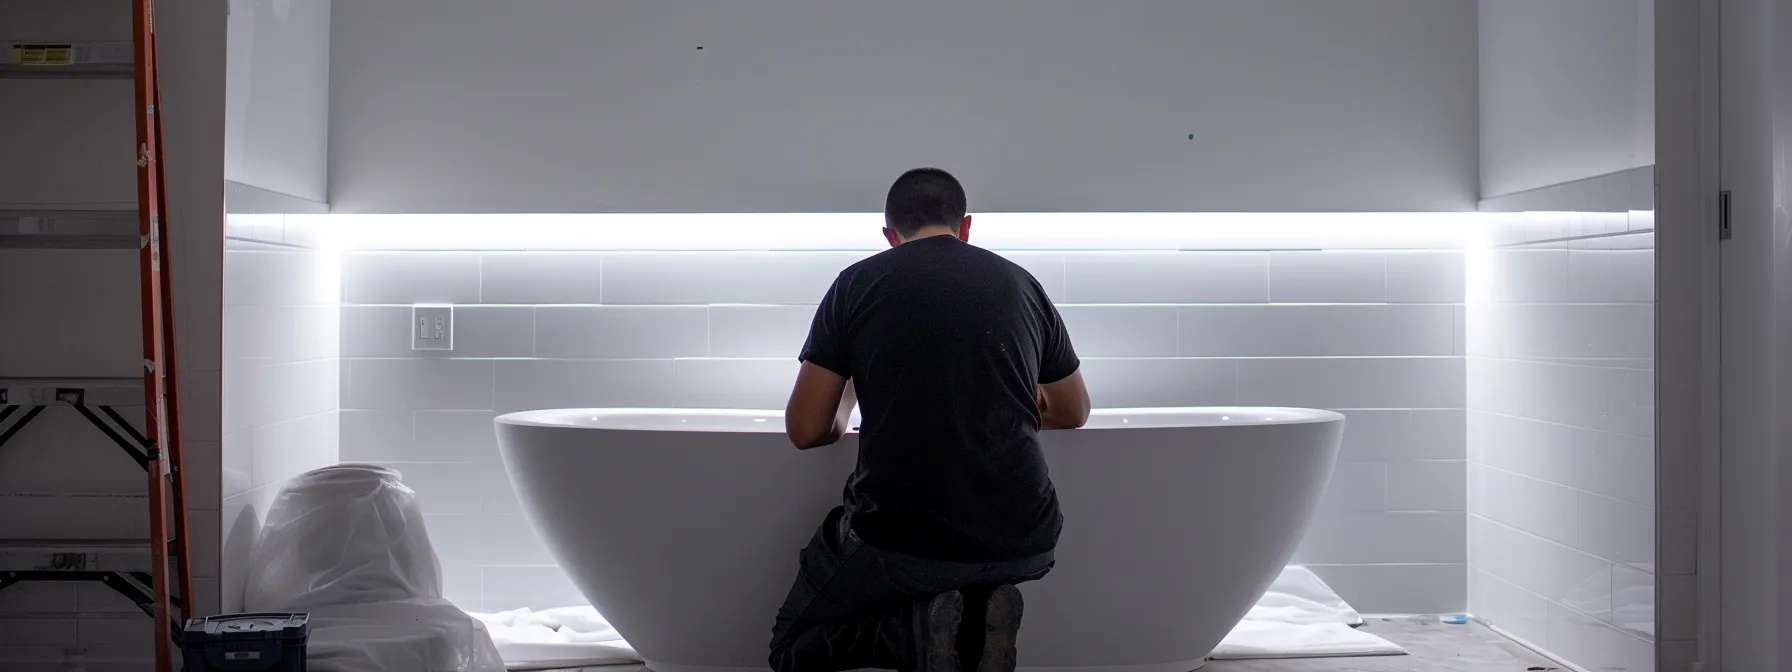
{"points": [[827, 346], [1057, 357]]}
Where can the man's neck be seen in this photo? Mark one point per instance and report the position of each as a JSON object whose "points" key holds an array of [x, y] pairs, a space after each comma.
{"points": [[931, 232]]}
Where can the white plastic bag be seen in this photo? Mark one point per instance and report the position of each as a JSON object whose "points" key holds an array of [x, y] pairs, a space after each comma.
{"points": [[347, 545]]}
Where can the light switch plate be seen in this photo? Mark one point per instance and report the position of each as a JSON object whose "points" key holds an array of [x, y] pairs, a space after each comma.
{"points": [[432, 327]]}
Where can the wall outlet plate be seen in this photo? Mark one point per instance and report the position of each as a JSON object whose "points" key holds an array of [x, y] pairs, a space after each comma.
{"points": [[432, 327]]}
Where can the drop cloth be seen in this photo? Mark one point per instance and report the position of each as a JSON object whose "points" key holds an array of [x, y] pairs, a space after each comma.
{"points": [[556, 638], [1301, 617]]}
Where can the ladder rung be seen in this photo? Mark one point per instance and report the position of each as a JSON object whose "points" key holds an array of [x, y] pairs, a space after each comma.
{"points": [[116, 392], [71, 616]]}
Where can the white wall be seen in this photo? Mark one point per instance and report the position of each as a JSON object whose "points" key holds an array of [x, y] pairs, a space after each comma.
{"points": [[1372, 332], [811, 105], [280, 370], [1562, 518], [1567, 91], [280, 316], [70, 144], [1561, 429], [1757, 338], [278, 98]]}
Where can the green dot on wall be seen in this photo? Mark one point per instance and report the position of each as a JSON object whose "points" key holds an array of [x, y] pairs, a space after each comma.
{"points": [[1191, 136]]}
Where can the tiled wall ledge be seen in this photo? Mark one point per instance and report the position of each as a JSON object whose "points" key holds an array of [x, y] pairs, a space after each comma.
{"points": [[859, 231]]}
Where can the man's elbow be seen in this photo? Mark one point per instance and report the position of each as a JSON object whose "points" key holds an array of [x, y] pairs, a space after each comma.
{"points": [[1065, 416], [805, 438], [1065, 420]]}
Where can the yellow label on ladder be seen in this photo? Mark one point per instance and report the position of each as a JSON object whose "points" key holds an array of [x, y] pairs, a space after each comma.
{"points": [[43, 54]]}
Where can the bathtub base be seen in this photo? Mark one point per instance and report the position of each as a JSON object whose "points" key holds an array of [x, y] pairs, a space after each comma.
{"points": [[1151, 667], [671, 667], [1185, 666]]}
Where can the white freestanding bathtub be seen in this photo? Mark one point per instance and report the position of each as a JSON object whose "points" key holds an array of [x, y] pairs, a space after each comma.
{"points": [[682, 526]]}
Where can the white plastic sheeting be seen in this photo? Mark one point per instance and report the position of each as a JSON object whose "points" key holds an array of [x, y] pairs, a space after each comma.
{"points": [[1301, 617], [556, 638], [347, 545]]}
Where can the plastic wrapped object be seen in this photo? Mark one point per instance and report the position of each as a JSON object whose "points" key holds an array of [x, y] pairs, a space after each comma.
{"points": [[345, 534], [347, 544]]}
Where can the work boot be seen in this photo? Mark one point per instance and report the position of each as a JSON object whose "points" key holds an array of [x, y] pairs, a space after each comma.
{"points": [[1001, 627], [936, 633]]}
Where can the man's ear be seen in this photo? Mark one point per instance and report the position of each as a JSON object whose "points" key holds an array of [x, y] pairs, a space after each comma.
{"points": [[890, 235], [964, 229]]}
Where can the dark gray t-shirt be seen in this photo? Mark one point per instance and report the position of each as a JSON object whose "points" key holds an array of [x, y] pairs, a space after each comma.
{"points": [[945, 344]]}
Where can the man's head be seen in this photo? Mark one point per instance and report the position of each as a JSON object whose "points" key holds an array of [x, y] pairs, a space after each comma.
{"points": [[925, 202]]}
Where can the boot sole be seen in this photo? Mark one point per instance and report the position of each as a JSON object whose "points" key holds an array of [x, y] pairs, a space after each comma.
{"points": [[1001, 627], [939, 635]]}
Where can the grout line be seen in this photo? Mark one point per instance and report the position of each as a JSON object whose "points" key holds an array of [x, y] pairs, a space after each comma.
{"points": [[1247, 358], [1576, 489], [1571, 364], [1060, 304], [1590, 236], [1559, 424]]}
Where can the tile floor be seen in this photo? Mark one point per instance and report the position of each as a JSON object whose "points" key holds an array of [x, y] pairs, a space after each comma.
{"points": [[1433, 647]]}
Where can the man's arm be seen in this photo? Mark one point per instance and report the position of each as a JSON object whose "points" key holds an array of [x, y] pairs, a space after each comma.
{"points": [[820, 407], [1064, 404], [821, 402], [1063, 398]]}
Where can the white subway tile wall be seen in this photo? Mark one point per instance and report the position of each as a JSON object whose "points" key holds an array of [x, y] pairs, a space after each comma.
{"points": [[1372, 333], [283, 330], [1561, 450]]}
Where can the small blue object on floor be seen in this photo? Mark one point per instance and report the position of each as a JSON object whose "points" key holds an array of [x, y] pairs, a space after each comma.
{"points": [[1455, 619], [246, 643]]}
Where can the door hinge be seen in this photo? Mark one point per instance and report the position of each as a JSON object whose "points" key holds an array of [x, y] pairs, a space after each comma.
{"points": [[1723, 215]]}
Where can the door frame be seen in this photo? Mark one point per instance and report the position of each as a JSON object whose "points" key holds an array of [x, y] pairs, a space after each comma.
{"points": [[1688, 338]]}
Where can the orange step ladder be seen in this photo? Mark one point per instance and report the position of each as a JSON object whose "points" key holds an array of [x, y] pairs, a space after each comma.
{"points": [[161, 383]]}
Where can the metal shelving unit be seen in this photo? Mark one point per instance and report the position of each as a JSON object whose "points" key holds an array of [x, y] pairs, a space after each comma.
{"points": [[64, 60], [69, 229], [156, 447]]}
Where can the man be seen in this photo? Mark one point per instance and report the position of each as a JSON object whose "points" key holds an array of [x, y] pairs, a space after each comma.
{"points": [[957, 359]]}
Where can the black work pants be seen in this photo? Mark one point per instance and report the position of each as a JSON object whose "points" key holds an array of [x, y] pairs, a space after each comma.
{"points": [[852, 605]]}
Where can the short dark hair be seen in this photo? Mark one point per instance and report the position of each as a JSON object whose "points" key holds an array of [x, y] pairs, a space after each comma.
{"points": [[924, 197]]}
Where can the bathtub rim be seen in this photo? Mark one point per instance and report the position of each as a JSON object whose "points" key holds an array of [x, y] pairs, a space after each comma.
{"points": [[755, 422]]}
